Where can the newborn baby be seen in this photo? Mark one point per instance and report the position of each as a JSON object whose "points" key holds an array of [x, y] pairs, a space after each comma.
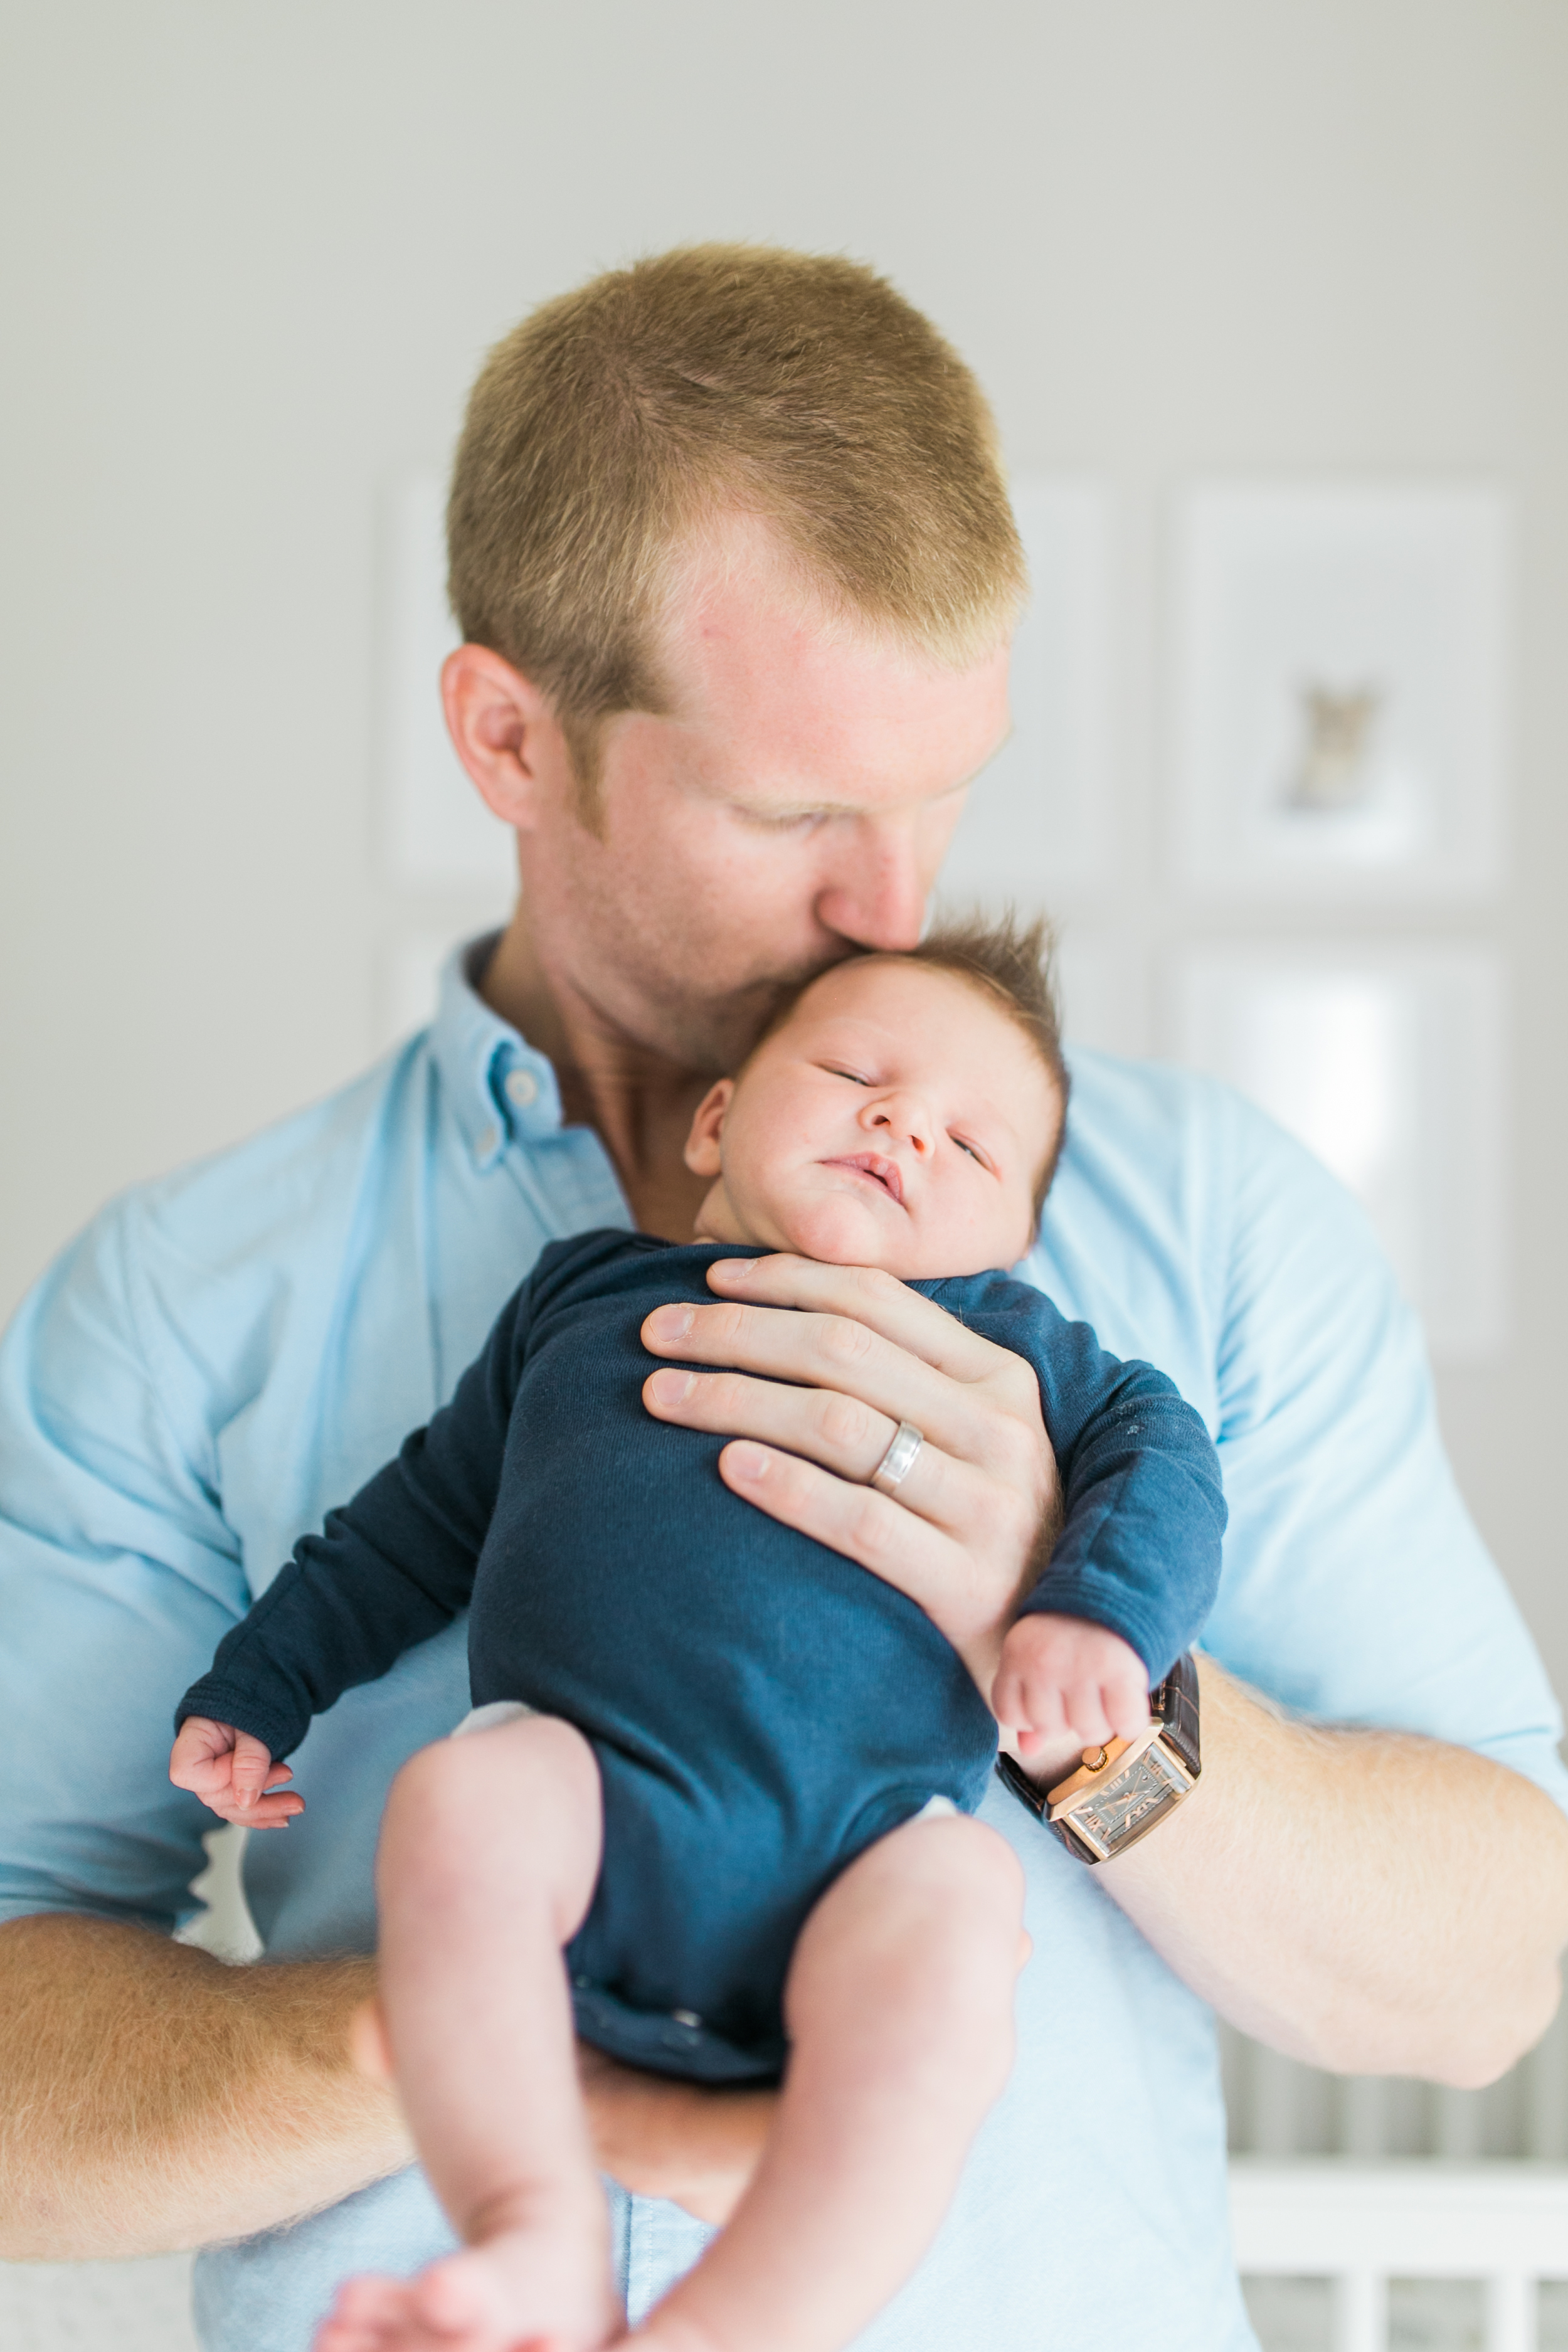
{"points": [[726, 1772]]}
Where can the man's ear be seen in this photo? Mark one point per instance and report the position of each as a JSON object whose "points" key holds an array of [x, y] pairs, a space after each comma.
{"points": [[504, 730], [702, 1143]]}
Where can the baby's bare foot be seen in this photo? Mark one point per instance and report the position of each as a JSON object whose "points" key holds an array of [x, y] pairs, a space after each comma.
{"points": [[537, 2280]]}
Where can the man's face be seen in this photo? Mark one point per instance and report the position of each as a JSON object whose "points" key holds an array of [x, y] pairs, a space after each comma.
{"points": [[795, 804], [899, 1118]]}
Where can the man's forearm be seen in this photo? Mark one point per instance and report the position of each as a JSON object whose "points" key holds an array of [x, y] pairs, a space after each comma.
{"points": [[152, 2098], [1370, 1902]]}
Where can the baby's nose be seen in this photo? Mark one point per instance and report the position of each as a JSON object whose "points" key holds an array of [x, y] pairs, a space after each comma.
{"points": [[903, 1115]]}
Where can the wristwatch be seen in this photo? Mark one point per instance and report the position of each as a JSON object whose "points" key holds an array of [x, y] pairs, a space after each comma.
{"points": [[1123, 1790]]}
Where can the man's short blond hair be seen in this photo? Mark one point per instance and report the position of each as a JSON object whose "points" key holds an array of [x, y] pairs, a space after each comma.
{"points": [[615, 421]]}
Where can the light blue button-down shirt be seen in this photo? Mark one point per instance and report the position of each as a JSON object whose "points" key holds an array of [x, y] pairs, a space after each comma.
{"points": [[224, 1354]]}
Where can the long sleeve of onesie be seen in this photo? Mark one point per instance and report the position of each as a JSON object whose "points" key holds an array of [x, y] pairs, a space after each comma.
{"points": [[389, 1569], [1144, 1507], [600, 1508]]}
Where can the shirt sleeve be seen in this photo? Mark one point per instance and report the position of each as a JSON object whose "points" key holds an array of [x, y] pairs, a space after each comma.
{"points": [[390, 1570], [118, 1573], [1356, 1588], [1144, 1507]]}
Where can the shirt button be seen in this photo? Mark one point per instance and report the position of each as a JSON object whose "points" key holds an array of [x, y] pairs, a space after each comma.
{"points": [[523, 1088], [489, 1137]]}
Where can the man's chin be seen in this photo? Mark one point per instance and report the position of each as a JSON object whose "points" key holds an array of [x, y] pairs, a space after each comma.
{"points": [[712, 1040]]}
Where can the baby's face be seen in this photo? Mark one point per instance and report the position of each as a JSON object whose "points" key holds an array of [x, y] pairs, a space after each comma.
{"points": [[899, 1118]]}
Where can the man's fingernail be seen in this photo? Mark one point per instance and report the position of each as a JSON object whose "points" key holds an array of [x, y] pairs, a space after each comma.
{"points": [[671, 1322], [735, 1269], [747, 1461], [672, 1388]]}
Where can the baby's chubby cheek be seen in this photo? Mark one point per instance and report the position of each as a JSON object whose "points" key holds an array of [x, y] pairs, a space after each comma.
{"points": [[804, 1210], [840, 1231]]}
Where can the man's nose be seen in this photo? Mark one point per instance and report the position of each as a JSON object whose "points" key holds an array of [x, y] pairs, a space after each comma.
{"points": [[876, 893], [902, 1117]]}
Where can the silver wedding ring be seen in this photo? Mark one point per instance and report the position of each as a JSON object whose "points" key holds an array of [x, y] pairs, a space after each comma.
{"points": [[898, 1460]]}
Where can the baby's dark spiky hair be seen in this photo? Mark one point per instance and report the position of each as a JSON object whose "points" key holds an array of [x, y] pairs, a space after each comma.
{"points": [[1012, 959]]}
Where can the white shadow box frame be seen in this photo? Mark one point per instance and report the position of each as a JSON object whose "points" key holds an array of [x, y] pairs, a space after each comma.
{"points": [[1391, 1065], [1341, 689], [436, 833], [1040, 821]]}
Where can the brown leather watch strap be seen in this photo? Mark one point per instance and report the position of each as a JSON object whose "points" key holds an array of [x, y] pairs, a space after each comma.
{"points": [[1173, 1711], [1175, 1706]]}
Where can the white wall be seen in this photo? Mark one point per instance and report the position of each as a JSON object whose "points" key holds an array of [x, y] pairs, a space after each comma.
{"points": [[253, 253]]}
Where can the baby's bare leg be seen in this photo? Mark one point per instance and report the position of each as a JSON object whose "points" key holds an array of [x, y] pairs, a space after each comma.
{"points": [[488, 1855], [899, 2009]]}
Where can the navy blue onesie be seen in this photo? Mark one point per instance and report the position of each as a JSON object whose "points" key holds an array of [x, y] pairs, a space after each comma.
{"points": [[761, 1708]]}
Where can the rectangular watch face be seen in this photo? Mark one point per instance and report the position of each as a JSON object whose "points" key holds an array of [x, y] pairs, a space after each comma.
{"points": [[1113, 1817]]}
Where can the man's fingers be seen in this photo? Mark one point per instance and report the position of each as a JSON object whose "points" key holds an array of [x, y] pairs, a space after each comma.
{"points": [[963, 1407], [818, 1351], [846, 1436], [872, 1529], [866, 1294], [845, 1355]]}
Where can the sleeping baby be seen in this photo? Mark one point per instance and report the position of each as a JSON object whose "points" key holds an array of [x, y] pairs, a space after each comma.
{"points": [[714, 1810]]}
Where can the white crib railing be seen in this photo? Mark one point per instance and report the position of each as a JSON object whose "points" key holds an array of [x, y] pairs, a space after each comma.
{"points": [[1357, 2226], [1283, 2110], [1357, 2182], [1360, 2226]]}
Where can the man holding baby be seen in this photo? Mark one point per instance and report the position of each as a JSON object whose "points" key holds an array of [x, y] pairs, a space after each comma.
{"points": [[732, 556]]}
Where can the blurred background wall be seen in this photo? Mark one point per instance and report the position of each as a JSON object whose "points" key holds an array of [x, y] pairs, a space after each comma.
{"points": [[252, 256]]}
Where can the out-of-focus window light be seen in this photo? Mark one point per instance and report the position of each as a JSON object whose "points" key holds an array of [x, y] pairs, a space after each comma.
{"points": [[1390, 1069]]}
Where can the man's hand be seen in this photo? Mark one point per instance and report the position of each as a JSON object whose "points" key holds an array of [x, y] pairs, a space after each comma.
{"points": [[684, 2141], [233, 1774], [695, 2146], [965, 1536], [1062, 1677]]}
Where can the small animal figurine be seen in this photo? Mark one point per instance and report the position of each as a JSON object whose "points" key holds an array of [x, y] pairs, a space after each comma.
{"points": [[1333, 769]]}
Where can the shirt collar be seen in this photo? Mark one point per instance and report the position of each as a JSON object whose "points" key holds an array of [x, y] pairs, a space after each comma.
{"points": [[501, 1088]]}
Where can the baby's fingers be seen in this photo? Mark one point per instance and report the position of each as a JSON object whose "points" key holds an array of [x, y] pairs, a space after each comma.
{"points": [[1088, 1718], [252, 1764], [267, 1812], [202, 1755], [1126, 1708]]}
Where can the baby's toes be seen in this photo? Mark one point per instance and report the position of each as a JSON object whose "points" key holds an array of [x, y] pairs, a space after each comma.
{"points": [[457, 2300]]}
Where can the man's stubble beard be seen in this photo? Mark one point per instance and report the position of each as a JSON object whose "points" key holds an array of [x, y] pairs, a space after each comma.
{"points": [[644, 991], [711, 1039]]}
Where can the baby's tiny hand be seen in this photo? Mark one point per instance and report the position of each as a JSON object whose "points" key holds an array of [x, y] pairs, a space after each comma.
{"points": [[233, 1774], [1062, 1674]]}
